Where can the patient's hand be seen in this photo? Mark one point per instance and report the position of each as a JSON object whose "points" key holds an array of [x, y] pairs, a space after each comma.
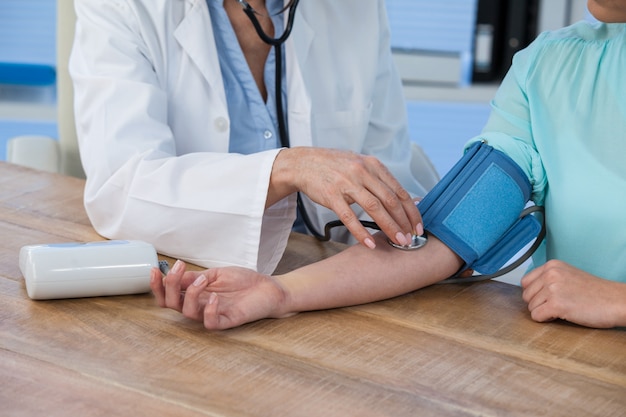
{"points": [[557, 290], [221, 298]]}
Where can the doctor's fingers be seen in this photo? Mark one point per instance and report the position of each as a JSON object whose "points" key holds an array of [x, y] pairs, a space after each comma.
{"points": [[382, 196], [390, 205], [397, 219], [364, 180], [351, 221]]}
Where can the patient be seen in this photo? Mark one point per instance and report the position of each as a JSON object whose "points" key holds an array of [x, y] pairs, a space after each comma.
{"points": [[560, 114]]}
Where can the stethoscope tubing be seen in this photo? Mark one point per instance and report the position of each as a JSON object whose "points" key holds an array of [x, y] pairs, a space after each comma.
{"points": [[277, 43], [283, 132], [248, 10]]}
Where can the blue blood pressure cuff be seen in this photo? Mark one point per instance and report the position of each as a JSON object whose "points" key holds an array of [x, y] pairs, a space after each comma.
{"points": [[475, 209]]}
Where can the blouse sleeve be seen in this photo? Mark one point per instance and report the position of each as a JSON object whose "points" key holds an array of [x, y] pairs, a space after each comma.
{"points": [[510, 128]]}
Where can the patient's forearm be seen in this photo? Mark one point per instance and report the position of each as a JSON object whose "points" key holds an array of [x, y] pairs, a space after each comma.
{"points": [[359, 275]]}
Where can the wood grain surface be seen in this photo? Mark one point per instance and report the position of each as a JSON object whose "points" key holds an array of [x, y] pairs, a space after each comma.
{"points": [[446, 350]]}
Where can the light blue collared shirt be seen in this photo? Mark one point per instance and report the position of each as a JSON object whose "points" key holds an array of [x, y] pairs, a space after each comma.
{"points": [[253, 122]]}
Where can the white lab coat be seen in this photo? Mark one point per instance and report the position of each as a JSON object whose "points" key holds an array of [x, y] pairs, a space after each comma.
{"points": [[153, 124]]}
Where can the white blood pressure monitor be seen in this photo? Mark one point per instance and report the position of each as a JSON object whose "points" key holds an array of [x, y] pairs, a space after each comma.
{"points": [[72, 270]]}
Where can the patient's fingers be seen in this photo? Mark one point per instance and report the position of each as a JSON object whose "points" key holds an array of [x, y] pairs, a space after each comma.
{"points": [[172, 283], [156, 284], [192, 307]]}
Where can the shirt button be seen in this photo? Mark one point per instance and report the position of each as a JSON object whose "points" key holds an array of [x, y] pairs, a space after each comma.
{"points": [[267, 134], [221, 124]]}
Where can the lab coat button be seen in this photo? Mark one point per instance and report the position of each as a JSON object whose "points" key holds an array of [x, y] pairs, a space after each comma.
{"points": [[221, 124], [267, 134]]}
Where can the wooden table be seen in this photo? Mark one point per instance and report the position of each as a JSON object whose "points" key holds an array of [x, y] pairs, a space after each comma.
{"points": [[447, 350]]}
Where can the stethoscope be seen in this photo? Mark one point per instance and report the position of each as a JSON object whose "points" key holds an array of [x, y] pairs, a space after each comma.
{"points": [[417, 241]]}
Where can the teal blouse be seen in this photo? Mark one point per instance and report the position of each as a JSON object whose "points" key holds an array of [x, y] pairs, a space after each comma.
{"points": [[560, 113]]}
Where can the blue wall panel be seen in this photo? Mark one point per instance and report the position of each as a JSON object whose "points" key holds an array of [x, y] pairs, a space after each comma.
{"points": [[442, 128]]}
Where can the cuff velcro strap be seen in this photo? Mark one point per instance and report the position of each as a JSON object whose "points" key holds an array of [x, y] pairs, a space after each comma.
{"points": [[475, 209]]}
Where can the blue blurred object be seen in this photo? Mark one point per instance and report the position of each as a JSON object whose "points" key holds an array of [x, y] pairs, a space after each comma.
{"points": [[445, 26], [442, 128], [430, 27], [28, 42], [27, 68], [27, 74]]}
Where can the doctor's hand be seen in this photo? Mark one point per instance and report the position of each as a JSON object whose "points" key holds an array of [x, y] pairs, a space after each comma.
{"points": [[336, 179], [220, 298], [557, 290]]}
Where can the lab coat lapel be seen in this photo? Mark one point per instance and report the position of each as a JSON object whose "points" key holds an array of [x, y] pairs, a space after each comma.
{"points": [[299, 101], [195, 36]]}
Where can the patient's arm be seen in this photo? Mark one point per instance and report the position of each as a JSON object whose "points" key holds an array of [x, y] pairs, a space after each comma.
{"points": [[228, 297], [358, 275]]}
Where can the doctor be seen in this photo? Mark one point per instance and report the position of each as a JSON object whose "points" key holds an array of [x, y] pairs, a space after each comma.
{"points": [[178, 125]]}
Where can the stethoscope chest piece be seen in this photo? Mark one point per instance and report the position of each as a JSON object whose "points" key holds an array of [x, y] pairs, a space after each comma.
{"points": [[416, 243]]}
